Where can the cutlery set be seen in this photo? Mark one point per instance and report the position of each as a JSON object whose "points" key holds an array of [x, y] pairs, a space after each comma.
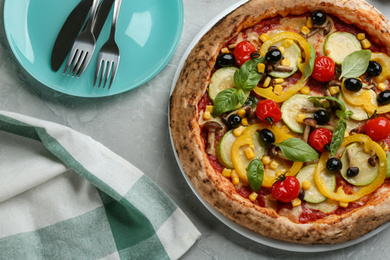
{"points": [[78, 37]]}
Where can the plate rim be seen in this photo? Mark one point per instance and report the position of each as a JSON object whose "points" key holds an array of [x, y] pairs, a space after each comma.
{"points": [[47, 84], [256, 237]]}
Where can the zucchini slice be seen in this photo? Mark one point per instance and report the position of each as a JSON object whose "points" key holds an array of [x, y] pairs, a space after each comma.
{"points": [[367, 173], [292, 53], [339, 45], [291, 108], [224, 147], [221, 79], [313, 194]]}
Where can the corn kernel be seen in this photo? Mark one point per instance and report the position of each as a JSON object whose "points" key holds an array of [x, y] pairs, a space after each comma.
{"points": [[209, 108], [238, 131], [280, 172], [278, 80], [300, 118], [381, 86], [206, 115], [305, 30], [225, 50], [271, 197], [261, 67], [281, 49], [234, 174], [249, 153], [274, 165], [340, 191], [285, 62], [309, 23], [287, 43], [267, 81], [278, 89], [361, 36], [366, 44], [346, 134], [385, 147], [235, 179], [253, 196], [305, 90], [325, 104], [244, 121], [227, 172], [241, 113], [266, 160], [264, 37], [343, 204], [306, 185], [334, 90], [296, 202], [285, 129]]}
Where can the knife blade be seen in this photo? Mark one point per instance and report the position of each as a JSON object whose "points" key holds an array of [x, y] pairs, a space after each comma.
{"points": [[101, 17], [68, 33]]}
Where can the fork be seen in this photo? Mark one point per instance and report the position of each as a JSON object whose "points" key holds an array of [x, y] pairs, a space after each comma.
{"points": [[83, 47], [109, 53]]}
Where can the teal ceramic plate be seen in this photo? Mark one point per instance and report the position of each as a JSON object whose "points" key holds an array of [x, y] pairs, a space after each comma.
{"points": [[148, 32]]}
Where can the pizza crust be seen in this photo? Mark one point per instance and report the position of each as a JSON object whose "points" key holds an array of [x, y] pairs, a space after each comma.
{"points": [[217, 190]]}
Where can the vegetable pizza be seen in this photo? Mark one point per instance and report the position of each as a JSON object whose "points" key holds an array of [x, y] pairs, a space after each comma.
{"points": [[280, 118]]}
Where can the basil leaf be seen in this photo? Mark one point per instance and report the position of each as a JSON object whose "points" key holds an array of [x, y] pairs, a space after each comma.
{"points": [[247, 77], [310, 66], [338, 101], [226, 100], [338, 136], [355, 64], [297, 150], [241, 96], [255, 174]]}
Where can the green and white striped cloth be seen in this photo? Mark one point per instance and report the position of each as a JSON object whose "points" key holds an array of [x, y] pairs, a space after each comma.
{"points": [[65, 196]]}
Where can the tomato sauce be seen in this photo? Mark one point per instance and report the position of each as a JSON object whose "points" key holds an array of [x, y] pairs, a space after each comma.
{"points": [[310, 215]]}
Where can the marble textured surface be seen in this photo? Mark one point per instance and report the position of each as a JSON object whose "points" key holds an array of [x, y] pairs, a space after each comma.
{"points": [[135, 126]]}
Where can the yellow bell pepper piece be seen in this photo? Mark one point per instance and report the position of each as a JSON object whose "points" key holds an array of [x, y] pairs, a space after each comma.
{"points": [[384, 61], [369, 145], [364, 99], [247, 139], [361, 100], [267, 92]]}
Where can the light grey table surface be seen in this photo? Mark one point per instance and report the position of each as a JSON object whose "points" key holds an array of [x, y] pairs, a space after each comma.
{"points": [[135, 126]]}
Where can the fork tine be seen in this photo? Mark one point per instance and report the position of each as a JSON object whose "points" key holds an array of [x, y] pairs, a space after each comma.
{"points": [[102, 72], [97, 70], [79, 63], [85, 63], [70, 59], [108, 73], [74, 61], [113, 74]]}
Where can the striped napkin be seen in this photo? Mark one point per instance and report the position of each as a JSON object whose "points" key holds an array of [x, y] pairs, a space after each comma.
{"points": [[65, 196]]}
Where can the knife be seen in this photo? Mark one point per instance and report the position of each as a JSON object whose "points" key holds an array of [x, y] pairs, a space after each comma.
{"points": [[68, 33]]}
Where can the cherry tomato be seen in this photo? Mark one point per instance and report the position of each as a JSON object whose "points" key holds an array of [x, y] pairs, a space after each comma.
{"points": [[268, 111], [377, 128], [286, 188], [319, 138], [242, 52], [324, 69]]}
